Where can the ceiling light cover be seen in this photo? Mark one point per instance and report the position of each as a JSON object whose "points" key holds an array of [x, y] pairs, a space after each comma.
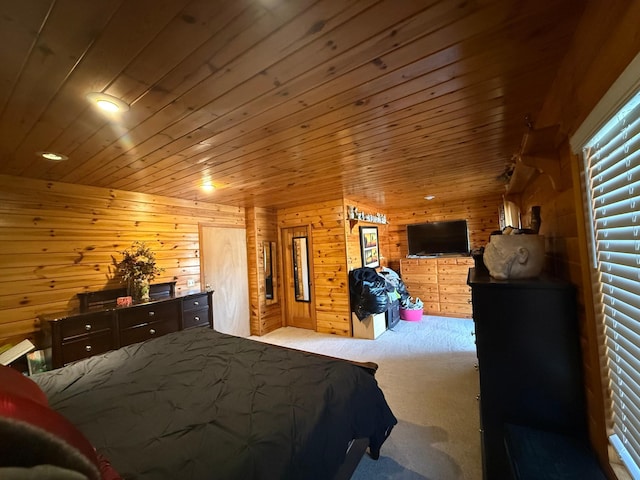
{"points": [[108, 106], [107, 102], [56, 157], [429, 197]]}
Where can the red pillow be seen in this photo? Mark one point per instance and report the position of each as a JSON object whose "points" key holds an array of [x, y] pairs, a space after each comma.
{"points": [[15, 383], [39, 434], [106, 470]]}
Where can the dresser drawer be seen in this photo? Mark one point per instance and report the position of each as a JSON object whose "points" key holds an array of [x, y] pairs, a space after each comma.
{"points": [[195, 302], [86, 346], [146, 331], [144, 314], [81, 325], [195, 318]]}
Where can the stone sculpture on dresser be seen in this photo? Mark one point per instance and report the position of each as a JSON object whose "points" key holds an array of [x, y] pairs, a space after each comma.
{"points": [[514, 256]]}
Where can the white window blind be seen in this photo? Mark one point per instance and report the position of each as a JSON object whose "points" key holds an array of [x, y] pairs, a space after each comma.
{"points": [[612, 169]]}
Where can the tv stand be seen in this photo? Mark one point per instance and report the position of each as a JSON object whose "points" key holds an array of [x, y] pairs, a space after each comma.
{"points": [[440, 282]]}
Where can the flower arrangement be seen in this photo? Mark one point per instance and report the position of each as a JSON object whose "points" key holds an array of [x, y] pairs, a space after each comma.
{"points": [[139, 263], [137, 268]]}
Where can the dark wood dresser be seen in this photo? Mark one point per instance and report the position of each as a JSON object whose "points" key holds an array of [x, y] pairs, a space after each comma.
{"points": [[529, 360], [100, 326]]}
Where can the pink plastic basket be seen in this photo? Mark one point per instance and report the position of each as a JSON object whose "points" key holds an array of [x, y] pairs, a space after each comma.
{"points": [[411, 315]]}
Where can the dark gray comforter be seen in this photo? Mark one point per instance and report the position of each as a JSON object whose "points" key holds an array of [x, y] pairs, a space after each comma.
{"points": [[199, 404]]}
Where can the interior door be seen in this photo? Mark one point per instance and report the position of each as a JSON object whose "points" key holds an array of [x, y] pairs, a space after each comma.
{"points": [[224, 267], [298, 288]]}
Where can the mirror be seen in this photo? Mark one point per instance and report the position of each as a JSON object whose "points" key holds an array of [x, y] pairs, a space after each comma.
{"points": [[268, 255], [301, 270]]}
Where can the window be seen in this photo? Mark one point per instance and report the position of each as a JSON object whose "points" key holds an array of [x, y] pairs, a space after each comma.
{"points": [[612, 186]]}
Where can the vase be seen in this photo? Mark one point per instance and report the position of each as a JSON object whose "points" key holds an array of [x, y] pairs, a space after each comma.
{"points": [[140, 289]]}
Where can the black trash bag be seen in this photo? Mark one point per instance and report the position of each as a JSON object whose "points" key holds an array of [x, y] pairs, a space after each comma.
{"points": [[396, 282], [368, 292]]}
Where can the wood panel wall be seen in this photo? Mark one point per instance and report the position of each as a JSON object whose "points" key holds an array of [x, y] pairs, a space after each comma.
{"points": [[262, 227], [329, 255], [336, 244], [352, 234], [59, 239], [352, 237], [558, 215], [606, 41]]}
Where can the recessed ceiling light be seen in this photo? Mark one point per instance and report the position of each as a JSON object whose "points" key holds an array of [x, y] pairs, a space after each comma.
{"points": [[107, 102], [429, 197], [207, 187], [108, 106], [57, 157]]}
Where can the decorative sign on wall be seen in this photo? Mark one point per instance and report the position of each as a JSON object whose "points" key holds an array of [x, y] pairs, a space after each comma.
{"points": [[355, 214]]}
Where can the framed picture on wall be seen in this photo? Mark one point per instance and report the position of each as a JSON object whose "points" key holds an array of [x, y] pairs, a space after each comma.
{"points": [[369, 247]]}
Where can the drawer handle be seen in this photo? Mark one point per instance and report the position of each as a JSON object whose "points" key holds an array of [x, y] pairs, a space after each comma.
{"points": [[196, 303], [152, 331], [196, 318], [87, 327], [152, 313], [88, 348]]}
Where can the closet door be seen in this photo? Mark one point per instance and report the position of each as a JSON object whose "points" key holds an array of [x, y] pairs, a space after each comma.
{"points": [[224, 267]]}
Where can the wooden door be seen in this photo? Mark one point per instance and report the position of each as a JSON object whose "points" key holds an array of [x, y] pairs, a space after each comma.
{"points": [[298, 287], [225, 269]]}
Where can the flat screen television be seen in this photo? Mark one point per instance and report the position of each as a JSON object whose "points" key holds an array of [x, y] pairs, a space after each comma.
{"points": [[438, 238]]}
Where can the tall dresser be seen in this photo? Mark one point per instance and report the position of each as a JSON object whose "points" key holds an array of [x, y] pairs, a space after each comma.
{"points": [[440, 282], [529, 360]]}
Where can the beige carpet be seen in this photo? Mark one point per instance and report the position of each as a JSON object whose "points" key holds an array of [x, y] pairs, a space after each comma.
{"points": [[428, 377]]}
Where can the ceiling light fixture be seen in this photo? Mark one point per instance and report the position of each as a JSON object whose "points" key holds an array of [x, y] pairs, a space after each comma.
{"points": [[429, 197], [207, 187], [107, 102], [56, 157]]}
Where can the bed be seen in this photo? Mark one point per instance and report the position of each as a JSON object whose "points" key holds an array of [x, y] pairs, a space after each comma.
{"points": [[200, 404]]}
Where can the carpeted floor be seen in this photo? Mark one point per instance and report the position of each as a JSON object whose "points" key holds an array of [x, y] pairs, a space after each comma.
{"points": [[426, 371]]}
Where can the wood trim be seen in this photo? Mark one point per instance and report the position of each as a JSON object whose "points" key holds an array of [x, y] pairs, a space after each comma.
{"points": [[595, 379]]}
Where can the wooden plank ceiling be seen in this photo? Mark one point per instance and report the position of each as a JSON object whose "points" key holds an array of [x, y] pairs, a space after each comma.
{"points": [[278, 102]]}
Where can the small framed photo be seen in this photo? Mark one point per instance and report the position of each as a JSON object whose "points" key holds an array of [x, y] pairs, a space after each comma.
{"points": [[369, 247], [37, 362]]}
